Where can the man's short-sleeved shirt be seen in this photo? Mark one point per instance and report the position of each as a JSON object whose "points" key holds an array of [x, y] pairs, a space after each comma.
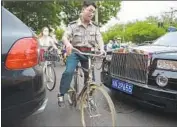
{"points": [[82, 36]]}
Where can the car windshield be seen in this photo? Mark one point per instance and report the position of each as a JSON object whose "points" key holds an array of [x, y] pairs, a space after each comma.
{"points": [[169, 39]]}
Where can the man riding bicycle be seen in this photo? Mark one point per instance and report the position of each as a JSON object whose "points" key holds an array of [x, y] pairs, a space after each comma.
{"points": [[84, 35]]}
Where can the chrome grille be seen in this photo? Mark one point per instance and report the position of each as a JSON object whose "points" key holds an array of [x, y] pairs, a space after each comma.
{"points": [[129, 66]]}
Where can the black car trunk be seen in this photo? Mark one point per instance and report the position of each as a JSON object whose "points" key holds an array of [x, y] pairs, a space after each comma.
{"points": [[12, 30]]}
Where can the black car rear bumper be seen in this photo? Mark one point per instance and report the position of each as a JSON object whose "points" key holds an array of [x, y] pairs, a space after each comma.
{"points": [[24, 110], [23, 93], [151, 96]]}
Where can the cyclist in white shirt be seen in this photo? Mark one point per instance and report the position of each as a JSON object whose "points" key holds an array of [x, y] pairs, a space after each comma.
{"points": [[45, 41]]}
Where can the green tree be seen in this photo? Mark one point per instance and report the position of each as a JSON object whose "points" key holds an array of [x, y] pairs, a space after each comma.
{"points": [[38, 14], [107, 9], [35, 14], [143, 31], [59, 32], [152, 19], [113, 32], [137, 32], [72, 9]]}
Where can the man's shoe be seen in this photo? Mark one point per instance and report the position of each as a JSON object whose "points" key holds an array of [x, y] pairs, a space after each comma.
{"points": [[61, 101]]}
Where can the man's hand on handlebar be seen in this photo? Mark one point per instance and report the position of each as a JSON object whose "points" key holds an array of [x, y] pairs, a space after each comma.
{"points": [[103, 52]]}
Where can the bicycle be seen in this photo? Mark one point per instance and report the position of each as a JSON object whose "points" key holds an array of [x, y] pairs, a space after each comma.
{"points": [[85, 100], [49, 56]]}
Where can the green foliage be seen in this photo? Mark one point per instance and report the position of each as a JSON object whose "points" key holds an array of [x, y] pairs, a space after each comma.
{"points": [[143, 31], [152, 19], [107, 9], [116, 31], [59, 33], [70, 10], [37, 14], [175, 25], [137, 32]]}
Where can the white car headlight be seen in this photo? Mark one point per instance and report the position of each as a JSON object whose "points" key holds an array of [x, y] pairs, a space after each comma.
{"points": [[161, 80], [167, 64]]}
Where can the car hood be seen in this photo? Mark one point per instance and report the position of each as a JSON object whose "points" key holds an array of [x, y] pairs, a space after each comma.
{"points": [[159, 52], [156, 49]]}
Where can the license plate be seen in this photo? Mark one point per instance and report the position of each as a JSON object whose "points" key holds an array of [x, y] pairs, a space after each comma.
{"points": [[122, 86]]}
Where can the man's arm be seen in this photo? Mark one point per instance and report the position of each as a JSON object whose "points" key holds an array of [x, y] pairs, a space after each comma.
{"points": [[99, 39], [67, 38]]}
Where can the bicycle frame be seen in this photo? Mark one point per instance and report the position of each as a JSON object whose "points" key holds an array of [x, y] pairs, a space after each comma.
{"points": [[89, 81], [45, 65], [84, 99]]}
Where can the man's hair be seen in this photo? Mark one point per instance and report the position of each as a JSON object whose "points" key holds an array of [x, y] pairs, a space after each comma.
{"points": [[88, 3]]}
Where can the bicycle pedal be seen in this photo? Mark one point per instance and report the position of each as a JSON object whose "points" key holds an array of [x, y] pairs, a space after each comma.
{"points": [[71, 90]]}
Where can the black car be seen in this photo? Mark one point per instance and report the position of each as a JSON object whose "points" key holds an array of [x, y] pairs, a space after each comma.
{"points": [[146, 74], [22, 89]]}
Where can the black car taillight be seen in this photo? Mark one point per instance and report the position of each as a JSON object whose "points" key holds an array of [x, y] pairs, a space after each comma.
{"points": [[23, 54]]}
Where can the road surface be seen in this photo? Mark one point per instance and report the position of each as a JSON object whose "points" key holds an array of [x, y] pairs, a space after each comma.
{"points": [[128, 113]]}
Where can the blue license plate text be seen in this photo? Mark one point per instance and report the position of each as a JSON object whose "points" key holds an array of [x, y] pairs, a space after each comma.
{"points": [[122, 86]]}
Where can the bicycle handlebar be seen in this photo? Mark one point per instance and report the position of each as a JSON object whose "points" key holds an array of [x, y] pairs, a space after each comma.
{"points": [[90, 54]]}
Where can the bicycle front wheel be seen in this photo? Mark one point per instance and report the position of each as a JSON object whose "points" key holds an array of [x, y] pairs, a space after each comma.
{"points": [[50, 77], [97, 108]]}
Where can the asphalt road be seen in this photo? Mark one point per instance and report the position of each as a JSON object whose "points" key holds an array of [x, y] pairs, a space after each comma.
{"points": [[128, 113]]}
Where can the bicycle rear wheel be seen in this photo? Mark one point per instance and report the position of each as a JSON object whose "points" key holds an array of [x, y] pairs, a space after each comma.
{"points": [[91, 108], [50, 77], [75, 89]]}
